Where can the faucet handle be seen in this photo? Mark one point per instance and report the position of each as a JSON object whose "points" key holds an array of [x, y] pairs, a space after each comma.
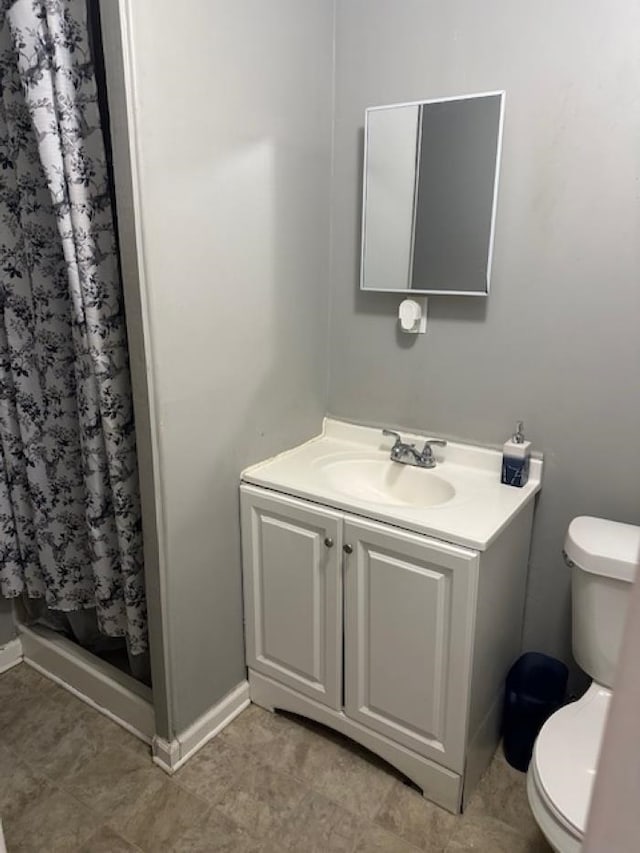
{"points": [[393, 434], [427, 450]]}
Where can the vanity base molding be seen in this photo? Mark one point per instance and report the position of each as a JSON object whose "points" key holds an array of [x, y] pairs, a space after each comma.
{"points": [[438, 784]]}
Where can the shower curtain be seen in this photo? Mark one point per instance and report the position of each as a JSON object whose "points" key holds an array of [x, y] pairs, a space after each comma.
{"points": [[70, 531]]}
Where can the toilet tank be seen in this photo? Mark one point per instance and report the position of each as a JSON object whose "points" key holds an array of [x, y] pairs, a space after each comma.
{"points": [[603, 556]]}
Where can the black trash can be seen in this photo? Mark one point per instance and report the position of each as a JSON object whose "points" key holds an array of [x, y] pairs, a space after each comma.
{"points": [[535, 688]]}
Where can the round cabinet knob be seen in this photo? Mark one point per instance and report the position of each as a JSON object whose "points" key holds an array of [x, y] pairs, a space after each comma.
{"points": [[328, 542], [348, 549]]}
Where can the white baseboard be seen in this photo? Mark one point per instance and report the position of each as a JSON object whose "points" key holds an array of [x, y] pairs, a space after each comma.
{"points": [[170, 756], [10, 654], [115, 694]]}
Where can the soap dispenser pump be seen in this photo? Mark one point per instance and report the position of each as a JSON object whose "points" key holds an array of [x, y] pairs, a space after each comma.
{"points": [[516, 456]]}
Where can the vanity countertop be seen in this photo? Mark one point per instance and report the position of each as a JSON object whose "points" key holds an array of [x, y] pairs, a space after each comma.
{"points": [[347, 467]]}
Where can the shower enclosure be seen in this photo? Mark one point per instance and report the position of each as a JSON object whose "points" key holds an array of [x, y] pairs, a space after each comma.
{"points": [[71, 554]]}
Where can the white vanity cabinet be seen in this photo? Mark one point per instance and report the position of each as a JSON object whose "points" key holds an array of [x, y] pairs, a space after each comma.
{"points": [[384, 605], [292, 574], [409, 605], [399, 606]]}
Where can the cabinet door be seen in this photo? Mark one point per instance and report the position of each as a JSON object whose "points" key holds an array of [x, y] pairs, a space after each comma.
{"points": [[409, 620], [292, 554]]}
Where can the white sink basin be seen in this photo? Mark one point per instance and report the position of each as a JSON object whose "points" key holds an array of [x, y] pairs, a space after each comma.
{"points": [[348, 468], [385, 482]]}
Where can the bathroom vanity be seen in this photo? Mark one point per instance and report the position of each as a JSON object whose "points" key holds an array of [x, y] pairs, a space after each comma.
{"points": [[386, 600]]}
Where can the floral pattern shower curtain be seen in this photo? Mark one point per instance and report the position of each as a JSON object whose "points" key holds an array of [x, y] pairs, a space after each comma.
{"points": [[70, 528]]}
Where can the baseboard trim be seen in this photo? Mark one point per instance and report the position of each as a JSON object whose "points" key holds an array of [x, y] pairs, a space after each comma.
{"points": [[10, 654], [171, 755], [100, 685]]}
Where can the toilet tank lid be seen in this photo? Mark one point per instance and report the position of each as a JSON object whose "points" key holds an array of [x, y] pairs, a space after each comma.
{"points": [[607, 548]]}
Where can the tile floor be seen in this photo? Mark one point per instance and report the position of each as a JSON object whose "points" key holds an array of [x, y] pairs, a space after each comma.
{"points": [[71, 780]]}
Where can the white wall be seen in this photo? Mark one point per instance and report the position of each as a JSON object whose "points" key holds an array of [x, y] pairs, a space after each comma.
{"points": [[230, 108], [557, 342], [230, 116]]}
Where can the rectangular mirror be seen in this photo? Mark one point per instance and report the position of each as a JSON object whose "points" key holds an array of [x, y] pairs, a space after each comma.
{"points": [[429, 199]]}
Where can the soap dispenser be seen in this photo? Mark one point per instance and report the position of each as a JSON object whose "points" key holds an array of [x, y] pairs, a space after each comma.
{"points": [[516, 455]]}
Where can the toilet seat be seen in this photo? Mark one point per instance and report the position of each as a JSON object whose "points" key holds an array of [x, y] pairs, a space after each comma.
{"points": [[559, 834], [563, 765]]}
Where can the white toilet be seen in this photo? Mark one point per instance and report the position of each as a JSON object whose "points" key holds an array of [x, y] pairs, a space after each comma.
{"points": [[603, 557]]}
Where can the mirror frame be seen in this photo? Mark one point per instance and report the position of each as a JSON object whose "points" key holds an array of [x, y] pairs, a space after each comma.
{"points": [[499, 92]]}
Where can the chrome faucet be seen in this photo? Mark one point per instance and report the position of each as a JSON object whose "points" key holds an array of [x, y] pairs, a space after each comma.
{"points": [[408, 454]]}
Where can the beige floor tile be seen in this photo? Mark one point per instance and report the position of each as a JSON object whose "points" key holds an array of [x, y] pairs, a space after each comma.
{"points": [[54, 822], [43, 722], [320, 826], [345, 774], [10, 678], [19, 784], [215, 833], [28, 677], [91, 736], [158, 816], [69, 769], [261, 799], [484, 834], [52, 728], [253, 729], [336, 767], [7, 760], [313, 753], [113, 778], [20, 687], [295, 745], [105, 840], [212, 770], [406, 813], [502, 794], [378, 840]]}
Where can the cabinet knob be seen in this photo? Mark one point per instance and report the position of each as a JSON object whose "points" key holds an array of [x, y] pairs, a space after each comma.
{"points": [[347, 549], [328, 542]]}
